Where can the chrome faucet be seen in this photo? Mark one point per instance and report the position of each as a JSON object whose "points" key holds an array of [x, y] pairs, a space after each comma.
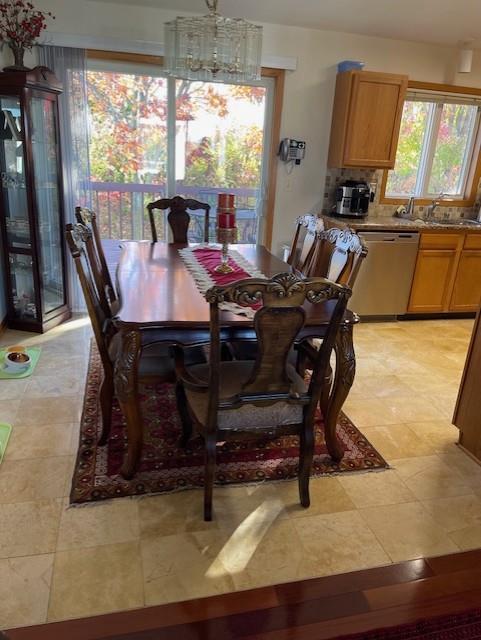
{"points": [[434, 204], [410, 208]]}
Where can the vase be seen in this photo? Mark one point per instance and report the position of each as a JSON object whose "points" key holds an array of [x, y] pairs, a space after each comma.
{"points": [[18, 54]]}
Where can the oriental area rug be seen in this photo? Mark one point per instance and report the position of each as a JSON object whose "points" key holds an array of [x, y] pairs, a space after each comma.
{"points": [[165, 466]]}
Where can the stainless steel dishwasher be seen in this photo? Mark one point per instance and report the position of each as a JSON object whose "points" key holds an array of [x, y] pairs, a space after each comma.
{"points": [[384, 282]]}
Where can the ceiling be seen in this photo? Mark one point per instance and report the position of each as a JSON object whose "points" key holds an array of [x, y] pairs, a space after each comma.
{"points": [[436, 21]]}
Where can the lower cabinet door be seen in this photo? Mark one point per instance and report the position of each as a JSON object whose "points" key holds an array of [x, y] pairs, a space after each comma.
{"points": [[467, 284], [432, 280]]}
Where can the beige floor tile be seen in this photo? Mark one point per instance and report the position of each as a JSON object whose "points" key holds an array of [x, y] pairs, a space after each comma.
{"points": [[440, 436], [397, 441], [29, 528], [9, 408], [24, 590], [56, 362], [435, 384], [374, 387], [258, 502], [416, 409], [407, 531], [29, 480], [431, 477], [327, 496], [368, 412], [12, 389], [337, 543], [445, 404], [98, 524], [169, 514], [97, 580], [42, 386], [44, 441], [37, 411], [375, 489], [460, 517], [184, 566], [270, 553], [371, 367], [462, 464]]}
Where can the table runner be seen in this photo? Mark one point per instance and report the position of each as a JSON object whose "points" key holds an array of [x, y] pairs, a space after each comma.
{"points": [[201, 262]]}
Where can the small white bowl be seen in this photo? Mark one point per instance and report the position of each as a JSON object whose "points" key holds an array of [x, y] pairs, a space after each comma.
{"points": [[17, 361]]}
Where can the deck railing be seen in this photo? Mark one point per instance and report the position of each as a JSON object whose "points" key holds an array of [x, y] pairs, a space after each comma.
{"points": [[121, 210]]}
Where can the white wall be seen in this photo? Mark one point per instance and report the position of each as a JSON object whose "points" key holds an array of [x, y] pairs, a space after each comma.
{"points": [[309, 90]]}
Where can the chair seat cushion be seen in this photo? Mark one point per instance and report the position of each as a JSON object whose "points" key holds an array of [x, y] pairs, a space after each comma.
{"points": [[249, 416]]}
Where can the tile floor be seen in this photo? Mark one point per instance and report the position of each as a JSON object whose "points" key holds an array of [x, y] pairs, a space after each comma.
{"points": [[58, 563]]}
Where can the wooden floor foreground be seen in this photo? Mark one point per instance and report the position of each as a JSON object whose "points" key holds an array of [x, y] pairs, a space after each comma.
{"points": [[307, 610]]}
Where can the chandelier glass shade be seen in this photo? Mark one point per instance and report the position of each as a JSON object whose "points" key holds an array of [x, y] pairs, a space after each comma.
{"points": [[213, 48]]}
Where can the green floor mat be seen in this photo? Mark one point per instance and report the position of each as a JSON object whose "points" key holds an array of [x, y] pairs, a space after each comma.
{"points": [[33, 352], [5, 430]]}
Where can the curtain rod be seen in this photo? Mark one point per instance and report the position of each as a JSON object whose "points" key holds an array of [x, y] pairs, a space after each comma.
{"points": [[110, 43]]}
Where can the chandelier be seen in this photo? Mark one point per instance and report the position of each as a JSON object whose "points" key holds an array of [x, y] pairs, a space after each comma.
{"points": [[212, 47]]}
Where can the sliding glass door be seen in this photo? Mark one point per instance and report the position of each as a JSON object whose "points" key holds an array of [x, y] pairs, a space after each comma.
{"points": [[153, 137]]}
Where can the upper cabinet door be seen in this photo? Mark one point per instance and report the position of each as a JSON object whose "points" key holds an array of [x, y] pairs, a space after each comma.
{"points": [[366, 119]]}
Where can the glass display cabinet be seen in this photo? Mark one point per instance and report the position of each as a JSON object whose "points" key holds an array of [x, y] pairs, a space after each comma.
{"points": [[31, 200]]}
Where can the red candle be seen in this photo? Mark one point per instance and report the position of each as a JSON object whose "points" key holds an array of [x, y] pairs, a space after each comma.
{"points": [[225, 200], [226, 220]]}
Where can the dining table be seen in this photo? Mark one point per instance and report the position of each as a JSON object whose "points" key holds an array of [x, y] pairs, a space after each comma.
{"points": [[160, 302]]}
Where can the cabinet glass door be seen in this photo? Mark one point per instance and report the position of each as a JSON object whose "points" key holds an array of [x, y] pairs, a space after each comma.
{"points": [[21, 278], [45, 164], [12, 174]]}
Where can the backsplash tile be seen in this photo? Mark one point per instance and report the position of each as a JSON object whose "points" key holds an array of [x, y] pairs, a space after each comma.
{"points": [[335, 177]]}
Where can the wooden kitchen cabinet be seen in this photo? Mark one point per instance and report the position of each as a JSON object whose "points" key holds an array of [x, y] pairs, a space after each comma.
{"points": [[433, 276], [447, 277], [467, 284], [366, 119]]}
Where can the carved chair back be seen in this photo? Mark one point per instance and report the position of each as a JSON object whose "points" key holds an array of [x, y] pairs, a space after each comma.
{"points": [[304, 242], [277, 324], [79, 237], [178, 217], [88, 218], [338, 256]]}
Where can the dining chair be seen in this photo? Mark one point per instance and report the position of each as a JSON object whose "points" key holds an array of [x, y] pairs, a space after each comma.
{"points": [[265, 398], [178, 217], [155, 365], [304, 241], [88, 218], [338, 255]]}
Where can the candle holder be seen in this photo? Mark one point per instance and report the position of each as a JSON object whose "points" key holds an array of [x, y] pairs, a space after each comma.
{"points": [[225, 236]]}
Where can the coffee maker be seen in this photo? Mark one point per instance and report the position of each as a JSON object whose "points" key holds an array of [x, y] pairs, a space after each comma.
{"points": [[352, 199]]}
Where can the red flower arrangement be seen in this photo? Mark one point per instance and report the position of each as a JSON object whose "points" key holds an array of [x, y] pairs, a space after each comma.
{"points": [[20, 26]]}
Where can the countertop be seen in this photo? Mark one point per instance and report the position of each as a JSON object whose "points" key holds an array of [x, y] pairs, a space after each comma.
{"points": [[390, 223]]}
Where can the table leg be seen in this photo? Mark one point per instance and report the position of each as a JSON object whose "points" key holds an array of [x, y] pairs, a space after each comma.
{"points": [[343, 379], [126, 390]]}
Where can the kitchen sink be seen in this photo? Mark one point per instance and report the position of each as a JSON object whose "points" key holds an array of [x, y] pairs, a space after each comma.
{"points": [[461, 223]]}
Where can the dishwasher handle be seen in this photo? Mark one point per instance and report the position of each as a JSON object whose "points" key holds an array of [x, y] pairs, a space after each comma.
{"points": [[387, 236]]}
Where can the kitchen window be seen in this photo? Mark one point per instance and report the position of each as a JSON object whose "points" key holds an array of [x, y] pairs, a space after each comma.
{"points": [[438, 148]]}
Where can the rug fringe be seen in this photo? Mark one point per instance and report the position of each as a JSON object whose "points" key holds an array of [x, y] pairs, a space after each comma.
{"points": [[220, 487]]}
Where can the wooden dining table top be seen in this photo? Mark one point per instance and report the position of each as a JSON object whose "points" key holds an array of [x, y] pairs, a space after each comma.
{"points": [[157, 289]]}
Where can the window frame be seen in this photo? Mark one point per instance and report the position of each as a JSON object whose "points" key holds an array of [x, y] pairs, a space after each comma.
{"points": [[278, 75], [474, 174]]}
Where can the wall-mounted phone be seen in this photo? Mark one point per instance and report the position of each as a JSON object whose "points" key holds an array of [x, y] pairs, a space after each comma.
{"points": [[292, 150]]}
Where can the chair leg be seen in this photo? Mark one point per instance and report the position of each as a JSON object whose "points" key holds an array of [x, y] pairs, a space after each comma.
{"points": [[185, 418], [106, 397], [306, 454], [210, 451]]}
